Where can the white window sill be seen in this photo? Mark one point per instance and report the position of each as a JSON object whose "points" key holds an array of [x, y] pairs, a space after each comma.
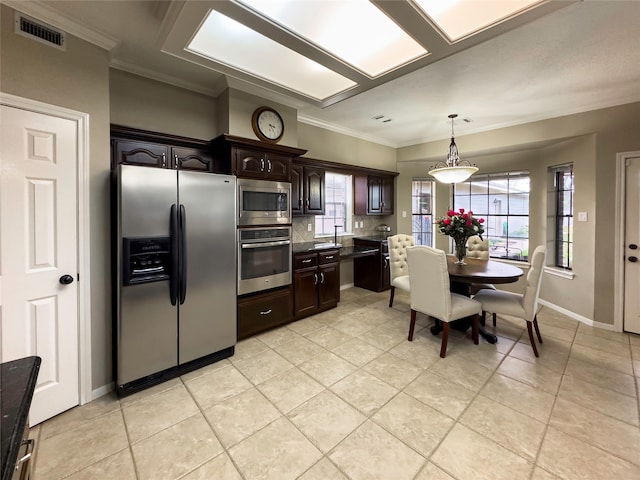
{"points": [[560, 272]]}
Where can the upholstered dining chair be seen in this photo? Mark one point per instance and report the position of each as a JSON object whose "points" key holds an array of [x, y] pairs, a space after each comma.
{"points": [[430, 294], [524, 305], [479, 248], [399, 271]]}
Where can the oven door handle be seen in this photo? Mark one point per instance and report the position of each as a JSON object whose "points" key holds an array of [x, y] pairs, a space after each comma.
{"points": [[265, 244]]}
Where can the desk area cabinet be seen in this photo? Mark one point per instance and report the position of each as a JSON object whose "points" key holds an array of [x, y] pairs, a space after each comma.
{"points": [[372, 272], [316, 280]]}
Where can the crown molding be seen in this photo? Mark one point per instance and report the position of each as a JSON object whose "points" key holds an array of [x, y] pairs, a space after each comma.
{"points": [[40, 11], [344, 131], [164, 78]]}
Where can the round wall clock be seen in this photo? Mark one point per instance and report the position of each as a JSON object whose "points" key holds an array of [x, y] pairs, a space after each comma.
{"points": [[267, 124]]}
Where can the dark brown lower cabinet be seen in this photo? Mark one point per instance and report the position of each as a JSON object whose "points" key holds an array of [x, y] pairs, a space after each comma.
{"points": [[316, 280], [263, 311]]}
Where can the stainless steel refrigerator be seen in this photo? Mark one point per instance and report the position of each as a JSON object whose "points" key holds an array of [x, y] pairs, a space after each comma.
{"points": [[175, 274]]}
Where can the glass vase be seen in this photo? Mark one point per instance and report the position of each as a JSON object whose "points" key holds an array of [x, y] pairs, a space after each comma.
{"points": [[460, 249]]}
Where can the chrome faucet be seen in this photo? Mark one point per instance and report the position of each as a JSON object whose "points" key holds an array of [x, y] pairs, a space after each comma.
{"points": [[335, 233]]}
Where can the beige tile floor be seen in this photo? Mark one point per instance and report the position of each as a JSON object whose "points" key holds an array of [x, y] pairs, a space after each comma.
{"points": [[344, 395]]}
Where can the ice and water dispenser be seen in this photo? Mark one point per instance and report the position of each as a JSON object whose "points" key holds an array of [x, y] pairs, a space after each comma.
{"points": [[145, 260]]}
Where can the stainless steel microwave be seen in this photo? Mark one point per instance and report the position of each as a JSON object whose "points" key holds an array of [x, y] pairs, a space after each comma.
{"points": [[263, 202]]}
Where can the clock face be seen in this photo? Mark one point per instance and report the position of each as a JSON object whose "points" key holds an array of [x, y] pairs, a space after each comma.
{"points": [[268, 124]]}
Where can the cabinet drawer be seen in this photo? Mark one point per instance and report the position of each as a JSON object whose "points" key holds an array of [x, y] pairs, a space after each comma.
{"points": [[329, 256], [305, 260], [264, 311]]}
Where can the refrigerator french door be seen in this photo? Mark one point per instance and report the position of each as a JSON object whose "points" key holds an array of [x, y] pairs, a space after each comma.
{"points": [[176, 273]]}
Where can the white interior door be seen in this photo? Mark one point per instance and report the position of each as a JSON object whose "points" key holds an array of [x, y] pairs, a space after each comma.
{"points": [[632, 246], [38, 247]]}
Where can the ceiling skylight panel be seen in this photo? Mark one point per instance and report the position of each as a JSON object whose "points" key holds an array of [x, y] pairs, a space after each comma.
{"points": [[459, 18], [354, 31], [226, 41]]}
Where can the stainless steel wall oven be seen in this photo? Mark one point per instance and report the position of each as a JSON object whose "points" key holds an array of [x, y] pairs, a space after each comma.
{"points": [[264, 258]]}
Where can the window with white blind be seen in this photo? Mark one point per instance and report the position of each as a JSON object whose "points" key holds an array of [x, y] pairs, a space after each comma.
{"points": [[563, 188], [422, 192], [502, 199], [338, 205]]}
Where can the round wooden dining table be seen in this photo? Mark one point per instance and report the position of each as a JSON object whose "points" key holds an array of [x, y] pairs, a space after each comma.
{"points": [[476, 270]]}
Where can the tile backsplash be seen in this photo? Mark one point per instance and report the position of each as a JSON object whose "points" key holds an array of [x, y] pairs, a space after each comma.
{"points": [[301, 233]]}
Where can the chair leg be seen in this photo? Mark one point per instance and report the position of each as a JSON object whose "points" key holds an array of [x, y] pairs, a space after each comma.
{"points": [[535, 324], [494, 319], [533, 342], [393, 291], [412, 325], [474, 328], [483, 318], [445, 339]]}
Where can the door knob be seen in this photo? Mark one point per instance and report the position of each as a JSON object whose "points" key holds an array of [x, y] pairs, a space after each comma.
{"points": [[633, 259], [66, 279]]}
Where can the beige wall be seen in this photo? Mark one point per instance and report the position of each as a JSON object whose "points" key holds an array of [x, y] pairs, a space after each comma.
{"points": [[591, 141], [143, 103], [336, 147], [78, 79]]}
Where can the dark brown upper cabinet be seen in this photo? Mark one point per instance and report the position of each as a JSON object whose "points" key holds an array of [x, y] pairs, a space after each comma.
{"points": [[253, 159], [373, 194], [151, 149], [307, 190]]}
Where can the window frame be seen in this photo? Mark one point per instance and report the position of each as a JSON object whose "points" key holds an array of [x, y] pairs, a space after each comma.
{"points": [[420, 235], [561, 216], [347, 220], [510, 198]]}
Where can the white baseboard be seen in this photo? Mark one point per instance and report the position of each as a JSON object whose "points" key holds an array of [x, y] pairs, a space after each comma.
{"points": [[344, 287], [578, 317], [101, 391]]}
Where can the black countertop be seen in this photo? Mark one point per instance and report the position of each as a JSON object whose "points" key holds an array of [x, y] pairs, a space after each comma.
{"points": [[375, 238], [345, 252], [17, 382]]}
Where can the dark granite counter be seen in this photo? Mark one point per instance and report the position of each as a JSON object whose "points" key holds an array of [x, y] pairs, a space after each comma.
{"points": [[345, 252], [375, 238], [17, 382]]}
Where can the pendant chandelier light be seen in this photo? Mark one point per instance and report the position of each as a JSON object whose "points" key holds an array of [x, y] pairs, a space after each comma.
{"points": [[454, 170]]}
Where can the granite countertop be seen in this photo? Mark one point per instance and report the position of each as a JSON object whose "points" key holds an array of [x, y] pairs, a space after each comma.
{"points": [[345, 251], [376, 237], [17, 382]]}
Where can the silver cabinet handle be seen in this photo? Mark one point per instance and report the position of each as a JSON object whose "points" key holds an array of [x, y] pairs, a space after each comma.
{"points": [[164, 161], [265, 312], [315, 278], [262, 164], [308, 260], [329, 257], [269, 166], [30, 443], [321, 277]]}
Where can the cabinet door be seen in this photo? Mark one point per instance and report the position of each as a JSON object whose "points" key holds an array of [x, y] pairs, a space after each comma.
{"points": [[329, 285], [387, 192], [192, 159], [136, 152], [314, 190], [374, 205], [297, 184], [278, 167], [305, 288], [249, 163]]}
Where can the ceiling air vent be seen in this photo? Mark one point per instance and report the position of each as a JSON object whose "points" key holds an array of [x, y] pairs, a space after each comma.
{"points": [[39, 31]]}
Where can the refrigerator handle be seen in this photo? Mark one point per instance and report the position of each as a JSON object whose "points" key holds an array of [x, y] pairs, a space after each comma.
{"points": [[173, 278], [183, 254]]}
